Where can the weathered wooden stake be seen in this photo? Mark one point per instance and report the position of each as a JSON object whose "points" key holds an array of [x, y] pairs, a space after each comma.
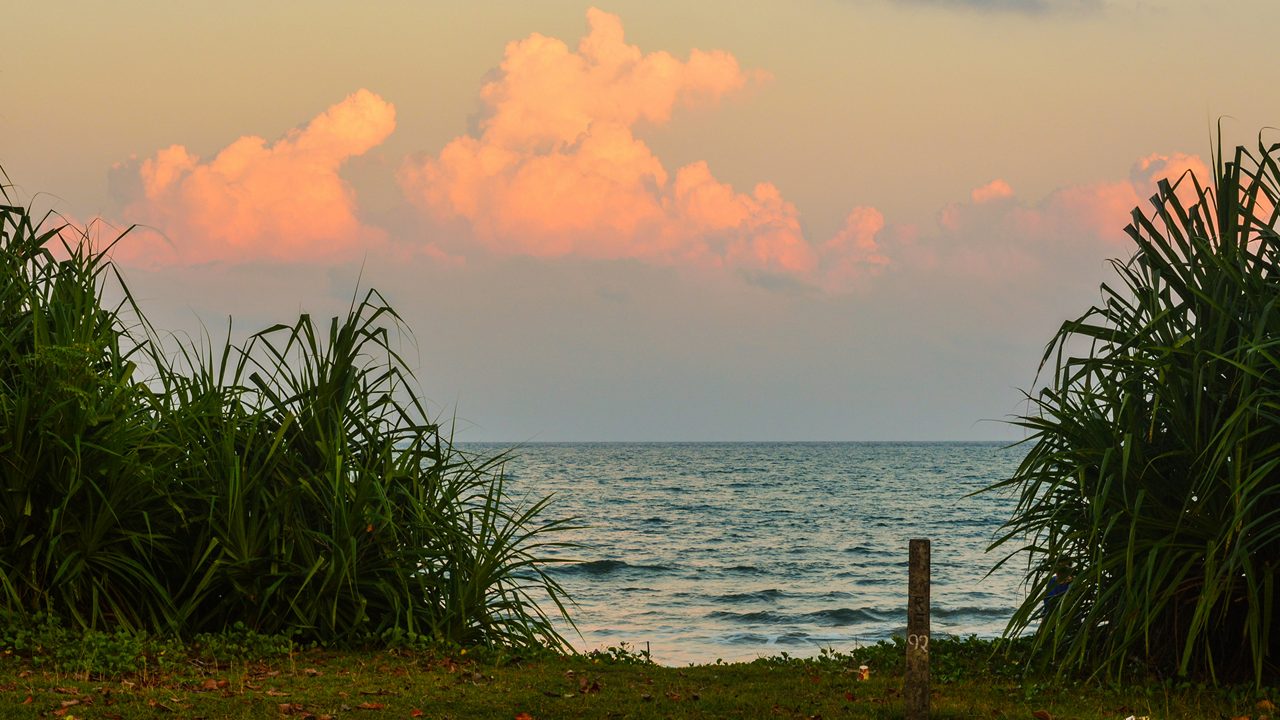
{"points": [[916, 690]]}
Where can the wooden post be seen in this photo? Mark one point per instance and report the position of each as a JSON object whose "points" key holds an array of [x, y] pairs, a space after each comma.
{"points": [[916, 683]]}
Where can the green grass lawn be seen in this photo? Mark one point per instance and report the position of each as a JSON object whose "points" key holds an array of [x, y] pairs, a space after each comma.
{"points": [[382, 684]]}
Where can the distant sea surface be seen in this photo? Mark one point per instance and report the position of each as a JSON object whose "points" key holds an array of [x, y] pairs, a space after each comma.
{"points": [[706, 551]]}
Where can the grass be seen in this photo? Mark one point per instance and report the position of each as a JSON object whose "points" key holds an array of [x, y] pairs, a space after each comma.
{"points": [[429, 683]]}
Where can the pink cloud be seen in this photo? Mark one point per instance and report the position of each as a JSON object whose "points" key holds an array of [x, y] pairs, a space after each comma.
{"points": [[854, 254], [257, 200], [995, 190], [556, 168], [997, 234]]}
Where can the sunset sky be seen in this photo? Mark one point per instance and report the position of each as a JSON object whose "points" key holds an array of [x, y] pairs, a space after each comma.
{"points": [[807, 220]]}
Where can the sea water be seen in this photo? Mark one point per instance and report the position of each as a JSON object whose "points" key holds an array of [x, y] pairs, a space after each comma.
{"points": [[706, 551]]}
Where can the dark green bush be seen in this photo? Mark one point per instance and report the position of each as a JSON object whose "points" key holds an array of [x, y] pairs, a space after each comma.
{"points": [[293, 486], [1154, 466]]}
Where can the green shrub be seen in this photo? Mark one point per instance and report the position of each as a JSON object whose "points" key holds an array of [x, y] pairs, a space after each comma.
{"points": [[293, 485], [1154, 468]]}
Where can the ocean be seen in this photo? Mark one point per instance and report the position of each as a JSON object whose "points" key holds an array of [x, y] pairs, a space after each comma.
{"points": [[700, 552]]}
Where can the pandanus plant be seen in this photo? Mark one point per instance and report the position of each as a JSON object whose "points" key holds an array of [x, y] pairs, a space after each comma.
{"points": [[293, 484], [1153, 472]]}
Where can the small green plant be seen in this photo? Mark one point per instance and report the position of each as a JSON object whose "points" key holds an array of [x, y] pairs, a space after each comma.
{"points": [[621, 654], [239, 643]]}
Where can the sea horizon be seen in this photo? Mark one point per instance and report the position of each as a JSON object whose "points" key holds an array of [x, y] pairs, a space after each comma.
{"points": [[731, 550]]}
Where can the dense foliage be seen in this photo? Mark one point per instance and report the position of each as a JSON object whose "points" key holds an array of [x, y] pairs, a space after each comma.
{"points": [[1153, 475], [292, 484]]}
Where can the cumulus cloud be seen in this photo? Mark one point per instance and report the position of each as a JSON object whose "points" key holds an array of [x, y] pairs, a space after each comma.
{"points": [[854, 253], [256, 200], [555, 168], [995, 190], [996, 232]]}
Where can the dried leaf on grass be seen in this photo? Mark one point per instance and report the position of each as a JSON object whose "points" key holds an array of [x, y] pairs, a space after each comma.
{"points": [[160, 706]]}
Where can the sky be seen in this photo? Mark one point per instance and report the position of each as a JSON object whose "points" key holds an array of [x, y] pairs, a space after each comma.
{"points": [[810, 220]]}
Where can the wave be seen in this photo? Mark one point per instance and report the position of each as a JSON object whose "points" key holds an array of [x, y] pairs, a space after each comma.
{"points": [[762, 616], [864, 550], [839, 617], [970, 611], [606, 567], [863, 579], [793, 638], [746, 639], [745, 597]]}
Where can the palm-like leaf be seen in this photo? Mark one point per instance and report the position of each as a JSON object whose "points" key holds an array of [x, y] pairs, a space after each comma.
{"points": [[1154, 466], [294, 484]]}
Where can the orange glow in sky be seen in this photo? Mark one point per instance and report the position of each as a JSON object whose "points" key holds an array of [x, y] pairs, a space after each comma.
{"points": [[827, 220]]}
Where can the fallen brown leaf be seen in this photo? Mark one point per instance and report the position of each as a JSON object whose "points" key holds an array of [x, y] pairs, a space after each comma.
{"points": [[523, 716], [1265, 705], [416, 713], [371, 706], [1042, 715]]}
